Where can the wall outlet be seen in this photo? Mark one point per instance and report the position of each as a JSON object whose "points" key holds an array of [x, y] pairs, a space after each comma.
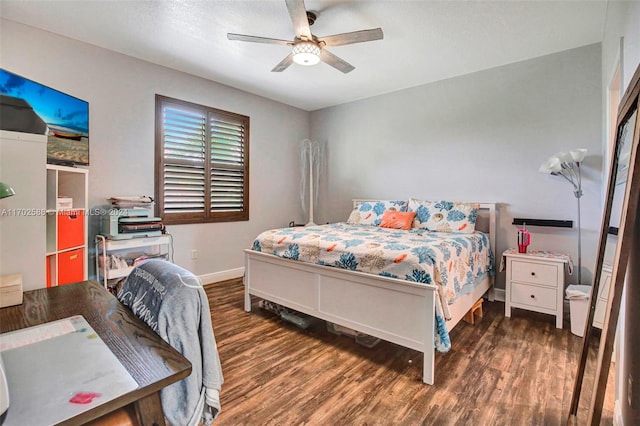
{"points": [[194, 254]]}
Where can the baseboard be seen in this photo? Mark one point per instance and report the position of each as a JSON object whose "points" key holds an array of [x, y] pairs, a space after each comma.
{"points": [[499, 294], [215, 277], [617, 414]]}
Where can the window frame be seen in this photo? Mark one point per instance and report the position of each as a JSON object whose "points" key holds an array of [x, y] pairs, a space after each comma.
{"points": [[206, 216]]}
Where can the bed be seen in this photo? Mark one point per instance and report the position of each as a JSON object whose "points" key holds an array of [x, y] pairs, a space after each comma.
{"points": [[376, 297]]}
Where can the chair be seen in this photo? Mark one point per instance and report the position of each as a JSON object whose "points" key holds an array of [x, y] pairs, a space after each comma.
{"points": [[173, 303]]}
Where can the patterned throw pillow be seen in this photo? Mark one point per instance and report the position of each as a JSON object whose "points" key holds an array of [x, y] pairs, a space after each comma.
{"points": [[370, 212], [397, 220], [444, 216]]}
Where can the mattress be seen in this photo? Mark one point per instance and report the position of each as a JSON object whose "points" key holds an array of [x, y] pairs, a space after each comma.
{"points": [[455, 263]]}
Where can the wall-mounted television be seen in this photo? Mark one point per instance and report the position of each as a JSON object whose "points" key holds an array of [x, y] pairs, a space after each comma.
{"points": [[28, 106]]}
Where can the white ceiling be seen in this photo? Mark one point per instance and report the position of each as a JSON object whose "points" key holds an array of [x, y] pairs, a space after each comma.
{"points": [[424, 41]]}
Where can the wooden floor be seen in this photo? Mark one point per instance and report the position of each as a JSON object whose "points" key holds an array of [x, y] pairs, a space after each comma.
{"points": [[501, 371]]}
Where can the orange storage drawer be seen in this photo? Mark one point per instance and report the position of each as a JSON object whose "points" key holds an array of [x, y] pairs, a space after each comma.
{"points": [[71, 266], [70, 229], [48, 268]]}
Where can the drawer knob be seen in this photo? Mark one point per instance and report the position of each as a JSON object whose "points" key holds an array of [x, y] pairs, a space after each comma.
{"points": [[533, 296], [533, 274]]}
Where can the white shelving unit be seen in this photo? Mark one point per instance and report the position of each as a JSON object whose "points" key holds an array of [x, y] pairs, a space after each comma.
{"points": [[22, 216], [66, 249], [128, 250]]}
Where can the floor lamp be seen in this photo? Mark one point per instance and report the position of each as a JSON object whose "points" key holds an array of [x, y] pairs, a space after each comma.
{"points": [[567, 165], [311, 153]]}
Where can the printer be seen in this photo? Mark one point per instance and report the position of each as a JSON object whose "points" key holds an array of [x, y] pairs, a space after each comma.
{"points": [[130, 217], [122, 224]]}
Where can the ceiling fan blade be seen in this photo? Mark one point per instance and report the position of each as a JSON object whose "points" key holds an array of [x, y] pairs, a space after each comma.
{"points": [[255, 39], [298, 15], [339, 64], [284, 64], [354, 37]]}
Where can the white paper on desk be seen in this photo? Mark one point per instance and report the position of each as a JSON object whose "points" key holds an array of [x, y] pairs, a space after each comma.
{"points": [[38, 333], [45, 375]]}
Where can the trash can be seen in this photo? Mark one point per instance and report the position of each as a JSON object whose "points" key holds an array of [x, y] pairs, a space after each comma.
{"points": [[578, 296]]}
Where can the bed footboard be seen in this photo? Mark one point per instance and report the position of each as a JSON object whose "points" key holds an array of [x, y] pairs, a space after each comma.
{"points": [[394, 310]]}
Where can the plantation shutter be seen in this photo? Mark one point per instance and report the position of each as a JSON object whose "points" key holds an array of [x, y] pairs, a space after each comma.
{"points": [[184, 161], [227, 164], [201, 163]]}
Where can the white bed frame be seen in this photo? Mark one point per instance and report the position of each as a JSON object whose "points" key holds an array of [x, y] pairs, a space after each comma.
{"points": [[395, 310]]}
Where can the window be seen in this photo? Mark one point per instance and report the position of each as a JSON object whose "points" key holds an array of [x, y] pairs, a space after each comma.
{"points": [[202, 163]]}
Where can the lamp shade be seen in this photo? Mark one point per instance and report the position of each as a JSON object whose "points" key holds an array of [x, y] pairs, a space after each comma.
{"points": [[306, 53], [6, 190], [552, 165], [564, 157], [578, 154]]}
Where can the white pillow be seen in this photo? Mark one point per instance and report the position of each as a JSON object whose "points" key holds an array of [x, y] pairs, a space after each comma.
{"points": [[370, 212], [444, 216]]}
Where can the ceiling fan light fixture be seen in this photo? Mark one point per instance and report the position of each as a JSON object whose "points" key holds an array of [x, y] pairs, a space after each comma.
{"points": [[306, 53]]}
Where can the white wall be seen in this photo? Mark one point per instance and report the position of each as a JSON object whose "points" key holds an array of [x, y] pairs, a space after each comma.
{"points": [[478, 137], [121, 94], [622, 22], [512, 117], [630, 31], [620, 45]]}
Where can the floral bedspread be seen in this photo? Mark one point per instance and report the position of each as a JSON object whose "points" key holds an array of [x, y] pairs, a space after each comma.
{"points": [[453, 262]]}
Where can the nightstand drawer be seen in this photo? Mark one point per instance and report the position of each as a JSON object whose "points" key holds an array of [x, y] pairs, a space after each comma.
{"points": [[539, 297], [598, 316], [605, 281], [534, 273]]}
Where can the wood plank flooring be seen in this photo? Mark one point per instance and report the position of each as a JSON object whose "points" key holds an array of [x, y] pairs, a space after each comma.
{"points": [[500, 371]]}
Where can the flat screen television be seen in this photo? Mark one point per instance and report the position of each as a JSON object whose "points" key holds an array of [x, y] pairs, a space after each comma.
{"points": [[28, 106]]}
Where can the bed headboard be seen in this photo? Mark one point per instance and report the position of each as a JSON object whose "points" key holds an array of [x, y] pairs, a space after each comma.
{"points": [[485, 221]]}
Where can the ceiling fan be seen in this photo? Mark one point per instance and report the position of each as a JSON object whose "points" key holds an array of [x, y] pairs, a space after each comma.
{"points": [[307, 49]]}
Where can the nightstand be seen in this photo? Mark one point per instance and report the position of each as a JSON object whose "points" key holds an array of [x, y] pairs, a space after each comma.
{"points": [[535, 281], [603, 295]]}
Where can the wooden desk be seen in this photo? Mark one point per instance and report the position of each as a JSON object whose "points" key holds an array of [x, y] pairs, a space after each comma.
{"points": [[151, 362]]}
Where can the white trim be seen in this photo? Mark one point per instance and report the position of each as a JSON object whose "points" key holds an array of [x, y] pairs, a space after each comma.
{"points": [[215, 277], [614, 78], [621, 61], [499, 294], [617, 414]]}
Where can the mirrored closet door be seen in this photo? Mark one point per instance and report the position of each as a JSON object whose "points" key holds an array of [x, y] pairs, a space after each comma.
{"points": [[620, 220]]}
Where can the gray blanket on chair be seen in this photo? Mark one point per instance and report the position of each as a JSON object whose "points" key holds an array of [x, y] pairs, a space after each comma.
{"points": [[171, 300]]}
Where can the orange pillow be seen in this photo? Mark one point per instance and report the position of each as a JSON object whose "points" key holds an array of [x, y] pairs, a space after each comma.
{"points": [[397, 220]]}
